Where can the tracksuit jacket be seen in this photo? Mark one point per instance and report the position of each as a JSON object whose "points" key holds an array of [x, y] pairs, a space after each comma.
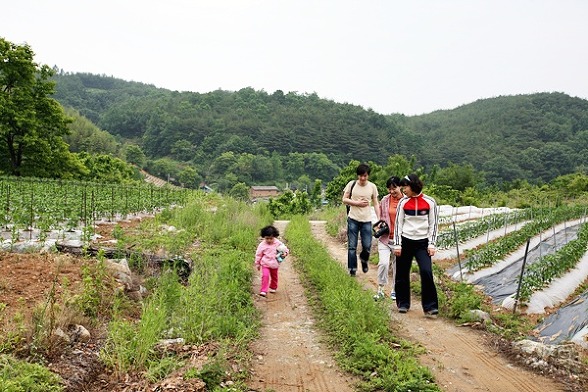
{"points": [[416, 219]]}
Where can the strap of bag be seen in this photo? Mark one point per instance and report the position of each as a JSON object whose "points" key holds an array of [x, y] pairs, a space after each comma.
{"points": [[350, 193]]}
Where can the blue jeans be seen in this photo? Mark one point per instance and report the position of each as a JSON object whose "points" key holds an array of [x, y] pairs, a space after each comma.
{"points": [[354, 229]]}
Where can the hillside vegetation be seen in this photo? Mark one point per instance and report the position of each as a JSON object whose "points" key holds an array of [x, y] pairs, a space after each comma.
{"points": [[55, 124], [279, 138], [539, 136]]}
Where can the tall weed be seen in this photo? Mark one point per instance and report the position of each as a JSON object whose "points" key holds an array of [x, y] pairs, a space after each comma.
{"points": [[216, 305], [96, 298], [130, 345]]}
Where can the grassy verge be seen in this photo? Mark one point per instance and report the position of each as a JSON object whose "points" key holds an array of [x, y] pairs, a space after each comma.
{"points": [[215, 309], [357, 328]]}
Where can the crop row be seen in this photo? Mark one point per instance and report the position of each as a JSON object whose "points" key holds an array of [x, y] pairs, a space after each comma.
{"points": [[48, 204], [495, 251], [473, 229], [552, 266]]}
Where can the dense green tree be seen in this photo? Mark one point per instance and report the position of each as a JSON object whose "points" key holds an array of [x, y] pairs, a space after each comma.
{"points": [[223, 164], [189, 177], [266, 169], [105, 168], [244, 167], [182, 150], [500, 169], [303, 183], [87, 137], [240, 191], [319, 166], [135, 155], [226, 183], [164, 168], [290, 203], [536, 136], [458, 177], [571, 184], [32, 124], [316, 193], [293, 166], [334, 189], [400, 166]]}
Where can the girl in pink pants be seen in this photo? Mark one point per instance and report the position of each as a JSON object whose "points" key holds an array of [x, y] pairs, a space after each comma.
{"points": [[266, 259]]}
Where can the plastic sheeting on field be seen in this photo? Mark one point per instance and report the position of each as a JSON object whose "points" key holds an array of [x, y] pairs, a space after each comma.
{"points": [[503, 283], [500, 282], [559, 290], [449, 213], [569, 323]]}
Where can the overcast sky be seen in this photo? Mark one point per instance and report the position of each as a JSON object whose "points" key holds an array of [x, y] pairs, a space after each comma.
{"points": [[405, 56]]}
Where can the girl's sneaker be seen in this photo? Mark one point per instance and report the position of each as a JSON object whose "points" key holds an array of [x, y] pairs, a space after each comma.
{"points": [[379, 295], [263, 294], [272, 290], [393, 295]]}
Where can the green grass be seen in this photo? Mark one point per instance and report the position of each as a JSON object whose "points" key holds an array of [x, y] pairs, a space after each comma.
{"points": [[20, 376], [357, 328], [220, 237]]}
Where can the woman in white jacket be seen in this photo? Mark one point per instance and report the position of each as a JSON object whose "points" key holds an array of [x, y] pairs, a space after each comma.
{"points": [[415, 234]]}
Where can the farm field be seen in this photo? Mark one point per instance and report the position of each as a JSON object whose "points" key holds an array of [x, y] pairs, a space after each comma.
{"points": [[29, 278]]}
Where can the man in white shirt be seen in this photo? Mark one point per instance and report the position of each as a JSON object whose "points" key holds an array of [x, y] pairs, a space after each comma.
{"points": [[360, 195]]}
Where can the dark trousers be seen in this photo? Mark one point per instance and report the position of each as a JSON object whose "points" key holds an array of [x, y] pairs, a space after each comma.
{"points": [[415, 249]]}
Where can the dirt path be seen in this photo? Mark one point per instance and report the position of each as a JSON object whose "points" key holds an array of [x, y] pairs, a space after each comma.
{"points": [[458, 357], [289, 356]]}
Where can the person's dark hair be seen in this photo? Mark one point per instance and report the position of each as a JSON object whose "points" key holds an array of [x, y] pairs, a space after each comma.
{"points": [[270, 231], [393, 181], [363, 168], [414, 182]]}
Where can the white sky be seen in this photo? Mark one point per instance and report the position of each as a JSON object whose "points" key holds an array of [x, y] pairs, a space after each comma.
{"points": [[393, 56]]}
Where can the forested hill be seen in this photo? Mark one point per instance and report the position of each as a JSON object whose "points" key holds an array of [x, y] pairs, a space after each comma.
{"points": [[184, 125], [535, 137]]}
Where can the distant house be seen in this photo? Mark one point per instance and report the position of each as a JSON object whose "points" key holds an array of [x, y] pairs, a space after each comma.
{"points": [[263, 191]]}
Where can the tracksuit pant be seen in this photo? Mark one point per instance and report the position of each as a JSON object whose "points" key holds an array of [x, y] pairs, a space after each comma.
{"points": [[415, 249]]}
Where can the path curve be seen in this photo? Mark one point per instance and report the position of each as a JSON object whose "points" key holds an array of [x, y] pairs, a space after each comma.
{"points": [[457, 356]]}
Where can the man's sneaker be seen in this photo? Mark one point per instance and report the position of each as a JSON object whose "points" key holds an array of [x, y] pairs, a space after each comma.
{"points": [[393, 295], [431, 313], [402, 309], [379, 295], [364, 266], [352, 273], [263, 294], [272, 290]]}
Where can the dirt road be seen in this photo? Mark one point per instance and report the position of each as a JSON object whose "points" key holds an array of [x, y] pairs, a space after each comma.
{"points": [[289, 356], [457, 356]]}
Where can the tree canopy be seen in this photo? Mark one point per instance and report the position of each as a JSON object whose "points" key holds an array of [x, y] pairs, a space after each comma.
{"points": [[280, 137], [229, 138], [32, 124]]}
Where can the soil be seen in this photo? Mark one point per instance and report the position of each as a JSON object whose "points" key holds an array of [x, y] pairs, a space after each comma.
{"points": [[290, 354], [290, 357], [28, 279]]}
